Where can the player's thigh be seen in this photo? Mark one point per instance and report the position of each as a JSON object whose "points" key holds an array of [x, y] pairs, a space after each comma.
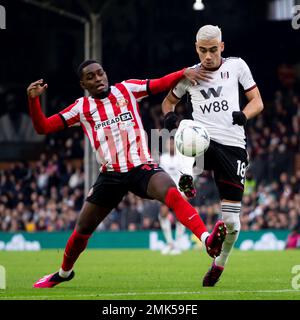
{"points": [[150, 181], [230, 169], [90, 217], [158, 186], [108, 190], [104, 195]]}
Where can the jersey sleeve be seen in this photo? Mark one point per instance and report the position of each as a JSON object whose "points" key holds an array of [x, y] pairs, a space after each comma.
{"points": [[180, 89], [245, 76], [139, 88], [41, 123], [71, 114]]}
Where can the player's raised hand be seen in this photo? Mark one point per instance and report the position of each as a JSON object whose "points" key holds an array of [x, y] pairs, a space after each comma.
{"points": [[196, 74], [36, 88]]}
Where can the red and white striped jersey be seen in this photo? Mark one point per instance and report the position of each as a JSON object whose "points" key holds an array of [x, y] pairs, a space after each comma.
{"points": [[114, 126]]}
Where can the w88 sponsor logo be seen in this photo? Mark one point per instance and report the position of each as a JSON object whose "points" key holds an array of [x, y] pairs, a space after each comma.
{"points": [[215, 106]]}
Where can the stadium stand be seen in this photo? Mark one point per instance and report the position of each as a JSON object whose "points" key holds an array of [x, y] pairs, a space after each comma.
{"points": [[46, 195]]}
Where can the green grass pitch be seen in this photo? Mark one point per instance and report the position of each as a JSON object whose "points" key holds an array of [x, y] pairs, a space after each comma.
{"points": [[148, 275]]}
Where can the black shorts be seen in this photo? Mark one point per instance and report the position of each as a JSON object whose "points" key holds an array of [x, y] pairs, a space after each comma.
{"points": [[111, 187], [229, 165]]}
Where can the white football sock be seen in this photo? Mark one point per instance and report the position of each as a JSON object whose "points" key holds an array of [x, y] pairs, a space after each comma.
{"points": [[64, 274], [204, 236], [231, 217]]}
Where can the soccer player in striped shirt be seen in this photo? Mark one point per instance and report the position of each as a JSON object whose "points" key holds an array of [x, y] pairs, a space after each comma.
{"points": [[111, 120]]}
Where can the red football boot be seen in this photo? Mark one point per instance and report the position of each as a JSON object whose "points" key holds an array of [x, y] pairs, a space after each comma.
{"points": [[213, 275], [215, 240]]}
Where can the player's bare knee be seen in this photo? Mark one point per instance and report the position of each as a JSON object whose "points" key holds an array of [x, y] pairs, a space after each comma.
{"points": [[159, 185]]}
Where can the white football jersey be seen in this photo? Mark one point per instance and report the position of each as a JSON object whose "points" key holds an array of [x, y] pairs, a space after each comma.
{"points": [[214, 101]]}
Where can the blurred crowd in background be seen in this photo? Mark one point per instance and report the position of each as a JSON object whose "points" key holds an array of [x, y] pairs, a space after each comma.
{"points": [[47, 195]]}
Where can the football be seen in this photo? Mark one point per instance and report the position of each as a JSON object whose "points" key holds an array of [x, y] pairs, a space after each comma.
{"points": [[191, 139]]}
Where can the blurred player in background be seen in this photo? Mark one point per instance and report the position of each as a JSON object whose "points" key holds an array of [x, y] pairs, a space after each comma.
{"points": [[170, 162], [215, 102], [110, 118]]}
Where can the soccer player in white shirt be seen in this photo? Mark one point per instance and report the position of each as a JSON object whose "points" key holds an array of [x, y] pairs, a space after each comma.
{"points": [[215, 101]]}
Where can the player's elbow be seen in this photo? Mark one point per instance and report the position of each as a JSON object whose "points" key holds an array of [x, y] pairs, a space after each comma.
{"points": [[40, 130]]}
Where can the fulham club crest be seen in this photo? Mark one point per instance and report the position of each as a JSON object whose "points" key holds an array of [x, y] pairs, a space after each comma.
{"points": [[225, 75]]}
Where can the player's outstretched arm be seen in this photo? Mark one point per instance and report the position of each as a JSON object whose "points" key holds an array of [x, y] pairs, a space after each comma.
{"points": [[166, 83], [170, 80], [252, 109], [41, 123]]}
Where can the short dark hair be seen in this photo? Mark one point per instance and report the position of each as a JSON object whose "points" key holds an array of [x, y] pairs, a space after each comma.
{"points": [[83, 65]]}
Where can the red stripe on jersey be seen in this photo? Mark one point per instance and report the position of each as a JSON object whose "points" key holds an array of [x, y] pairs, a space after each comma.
{"points": [[86, 112], [139, 95], [97, 146], [108, 136], [123, 133], [74, 119], [138, 130], [143, 131]]}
